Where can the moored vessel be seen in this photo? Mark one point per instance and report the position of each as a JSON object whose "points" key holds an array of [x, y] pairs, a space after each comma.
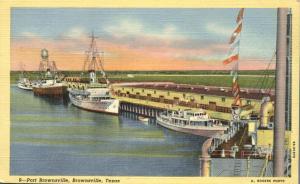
{"points": [[49, 87], [143, 119], [48, 84], [24, 83], [187, 121], [97, 96]]}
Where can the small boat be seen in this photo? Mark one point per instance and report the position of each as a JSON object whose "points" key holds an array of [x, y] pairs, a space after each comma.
{"points": [[24, 83], [196, 123], [143, 119]]}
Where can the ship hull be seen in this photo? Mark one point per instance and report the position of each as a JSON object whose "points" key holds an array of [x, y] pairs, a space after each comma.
{"points": [[205, 132], [110, 106], [51, 91]]}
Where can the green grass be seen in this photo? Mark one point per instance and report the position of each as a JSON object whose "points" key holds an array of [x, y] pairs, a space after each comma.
{"points": [[225, 81], [147, 76]]}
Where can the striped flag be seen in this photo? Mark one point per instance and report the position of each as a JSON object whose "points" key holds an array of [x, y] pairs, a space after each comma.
{"points": [[234, 49], [233, 57], [234, 46], [236, 32], [237, 101], [235, 85], [240, 15], [236, 90]]}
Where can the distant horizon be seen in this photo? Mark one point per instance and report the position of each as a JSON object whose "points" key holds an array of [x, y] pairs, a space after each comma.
{"points": [[149, 70], [142, 39]]}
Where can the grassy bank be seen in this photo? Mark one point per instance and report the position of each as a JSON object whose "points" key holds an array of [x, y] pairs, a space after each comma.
{"points": [[177, 77]]}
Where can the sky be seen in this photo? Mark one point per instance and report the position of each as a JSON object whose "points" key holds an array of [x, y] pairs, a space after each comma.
{"points": [[141, 39]]}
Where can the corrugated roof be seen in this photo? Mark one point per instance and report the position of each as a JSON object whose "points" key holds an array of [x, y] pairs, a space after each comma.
{"points": [[207, 90]]}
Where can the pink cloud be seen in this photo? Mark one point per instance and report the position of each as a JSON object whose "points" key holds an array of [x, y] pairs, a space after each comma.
{"points": [[69, 54]]}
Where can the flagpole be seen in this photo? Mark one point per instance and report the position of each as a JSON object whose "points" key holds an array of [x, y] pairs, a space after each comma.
{"points": [[280, 92]]}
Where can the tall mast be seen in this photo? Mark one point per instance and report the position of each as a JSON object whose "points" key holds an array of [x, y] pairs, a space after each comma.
{"points": [[280, 92], [93, 61]]}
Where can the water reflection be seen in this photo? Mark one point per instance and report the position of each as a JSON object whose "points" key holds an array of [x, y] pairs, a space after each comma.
{"points": [[52, 137]]}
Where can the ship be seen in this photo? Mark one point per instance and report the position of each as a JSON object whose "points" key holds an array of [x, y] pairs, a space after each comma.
{"points": [[49, 83], [187, 121], [96, 96], [49, 87]]}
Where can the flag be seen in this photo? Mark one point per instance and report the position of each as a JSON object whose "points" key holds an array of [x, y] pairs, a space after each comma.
{"points": [[235, 69], [234, 45], [238, 28], [237, 102], [234, 76], [235, 86], [234, 48], [231, 59], [240, 15], [236, 32], [233, 55], [236, 91]]}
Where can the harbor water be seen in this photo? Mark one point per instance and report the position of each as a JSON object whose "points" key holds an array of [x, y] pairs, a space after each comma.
{"points": [[52, 137]]}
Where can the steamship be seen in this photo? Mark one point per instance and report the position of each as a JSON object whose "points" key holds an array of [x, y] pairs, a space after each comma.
{"points": [[97, 96], [49, 87], [49, 84], [187, 121]]}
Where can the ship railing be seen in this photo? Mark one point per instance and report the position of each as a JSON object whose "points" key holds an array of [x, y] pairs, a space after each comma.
{"points": [[79, 92], [246, 153], [226, 153]]}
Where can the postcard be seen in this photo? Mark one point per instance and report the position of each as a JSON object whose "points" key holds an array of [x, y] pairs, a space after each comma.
{"points": [[149, 92]]}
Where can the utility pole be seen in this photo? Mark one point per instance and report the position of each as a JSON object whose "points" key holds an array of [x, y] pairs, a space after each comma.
{"points": [[280, 92]]}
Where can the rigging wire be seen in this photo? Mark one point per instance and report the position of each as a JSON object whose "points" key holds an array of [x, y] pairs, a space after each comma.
{"points": [[265, 79], [261, 83]]}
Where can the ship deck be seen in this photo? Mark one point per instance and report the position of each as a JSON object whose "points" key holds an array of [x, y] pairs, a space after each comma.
{"points": [[240, 139]]}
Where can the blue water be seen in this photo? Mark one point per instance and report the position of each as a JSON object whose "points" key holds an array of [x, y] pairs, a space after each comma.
{"points": [[52, 137]]}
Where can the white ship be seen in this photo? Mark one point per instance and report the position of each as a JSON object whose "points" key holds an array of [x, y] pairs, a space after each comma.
{"points": [[97, 96], [186, 121]]}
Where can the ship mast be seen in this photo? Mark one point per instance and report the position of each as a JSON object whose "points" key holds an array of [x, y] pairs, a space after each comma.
{"points": [[93, 61]]}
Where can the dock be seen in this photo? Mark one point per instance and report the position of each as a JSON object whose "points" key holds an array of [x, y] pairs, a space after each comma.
{"points": [[216, 101], [239, 142]]}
